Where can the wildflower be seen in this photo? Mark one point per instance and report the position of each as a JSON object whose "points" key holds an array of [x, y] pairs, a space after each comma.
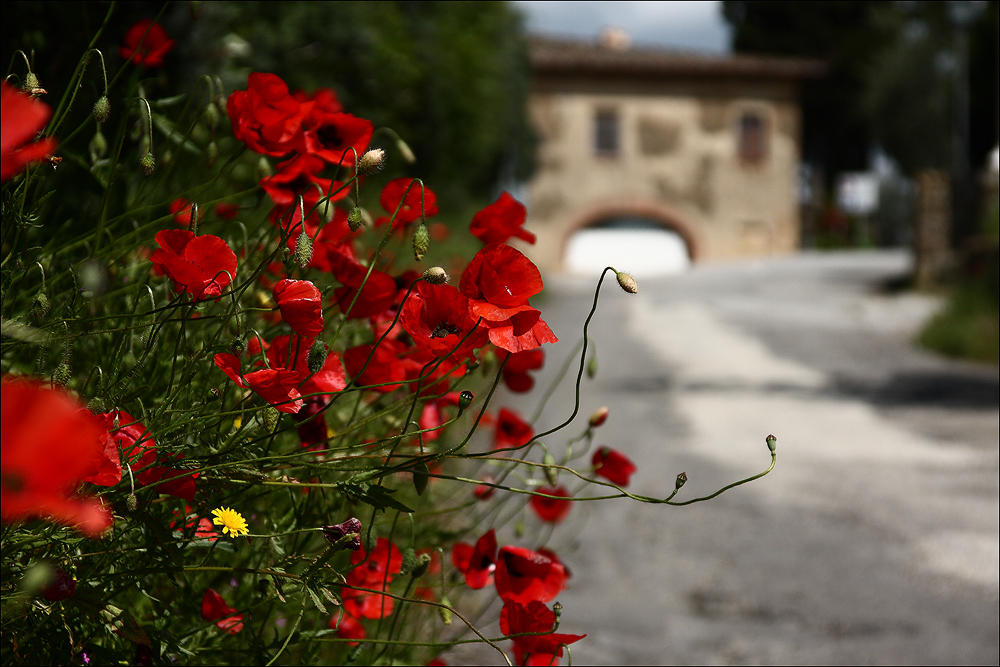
{"points": [[330, 135], [515, 371], [534, 617], [512, 431], [299, 176], [410, 208], [551, 510], [377, 295], [613, 466], [214, 608], [265, 116], [350, 527], [373, 571], [477, 563], [21, 118], [181, 209], [49, 444], [202, 265], [437, 319], [146, 43], [231, 521], [501, 220], [301, 306], [523, 575], [485, 490]]}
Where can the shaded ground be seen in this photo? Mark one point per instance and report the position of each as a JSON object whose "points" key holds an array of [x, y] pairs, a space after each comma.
{"points": [[876, 538]]}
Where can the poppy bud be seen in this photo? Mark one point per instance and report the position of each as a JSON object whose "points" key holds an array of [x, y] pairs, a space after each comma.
{"points": [[263, 168], [423, 562], [519, 529], [148, 163], [131, 502], [98, 146], [371, 162], [102, 109], [772, 442], [30, 82], [355, 219], [216, 393], [627, 283], [40, 306], [681, 478], [212, 115], [421, 239], [211, 153], [62, 375], [420, 477], [464, 400], [444, 611], [270, 419], [592, 367], [404, 150], [303, 250], [436, 275], [550, 472], [238, 345], [96, 405], [317, 357], [599, 417], [409, 561]]}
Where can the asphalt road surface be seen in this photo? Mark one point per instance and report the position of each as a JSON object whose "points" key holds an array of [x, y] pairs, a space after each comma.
{"points": [[875, 539]]}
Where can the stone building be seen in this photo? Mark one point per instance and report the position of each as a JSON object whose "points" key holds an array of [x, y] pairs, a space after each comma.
{"points": [[705, 146]]}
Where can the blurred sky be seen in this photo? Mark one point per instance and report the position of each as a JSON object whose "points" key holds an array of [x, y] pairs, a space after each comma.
{"points": [[695, 26]]}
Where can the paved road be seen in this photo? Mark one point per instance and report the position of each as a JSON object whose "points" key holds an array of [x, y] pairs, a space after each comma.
{"points": [[876, 538]]}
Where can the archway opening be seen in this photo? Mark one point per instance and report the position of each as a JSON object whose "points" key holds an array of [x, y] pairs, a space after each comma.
{"points": [[632, 243]]}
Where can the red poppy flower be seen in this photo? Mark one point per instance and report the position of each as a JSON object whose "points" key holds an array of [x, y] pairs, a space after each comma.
{"points": [[146, 43], [377, 295], [49, 444], [485, 490], [501, 220], [516, 618], [552, 510], [203, 526], [264, 116], [301, 306], [321, 98], [130, 438], [613, 466], [214, 608], [409, 208], [523, 575], [329, 135], [375, 572], [279, 387], [477, 563], [348, 627], [515, 371], [202, 265], [437, 319], [21, 118], [326, 380], [512, 431], [173, 482], [181, 210], [389, 366], [300, 176], [226, 210]]}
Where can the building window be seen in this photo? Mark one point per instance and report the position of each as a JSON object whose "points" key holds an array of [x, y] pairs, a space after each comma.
{"points": [[606, 133], [752, 138]]}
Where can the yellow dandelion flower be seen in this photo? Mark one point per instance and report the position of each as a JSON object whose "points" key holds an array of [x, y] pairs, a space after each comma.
{"points": [[232, 522]]}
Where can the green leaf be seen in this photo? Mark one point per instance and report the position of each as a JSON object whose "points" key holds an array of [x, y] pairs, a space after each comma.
{"points": [[315, 599]]}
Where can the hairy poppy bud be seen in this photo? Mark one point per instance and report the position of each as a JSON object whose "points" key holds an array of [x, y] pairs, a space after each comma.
{"points": [[599, 417], [772, 442], [98, 146], [465, 400], [421, 239], [96, 405], [303, 250], [627, 283], [420, 569], [592, 367], [212, 115], [148, 163], [211, 153], [62, 375], [131, 502], [238, 345], [371, 162], [102, 109], [551, 473], [270, 419], [681, 478], [30, 82], [436, 275], [40, 306], [317, 357], [409, 561], [263, 168], [355, 219], [444, 611]]}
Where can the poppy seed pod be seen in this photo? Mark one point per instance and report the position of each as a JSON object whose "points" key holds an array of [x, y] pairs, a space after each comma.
{"points": [[627, 283], [436, 275], [102, 109], [681, 479], [465, 400], [772, 442], [371, 162], [421, 240]]}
